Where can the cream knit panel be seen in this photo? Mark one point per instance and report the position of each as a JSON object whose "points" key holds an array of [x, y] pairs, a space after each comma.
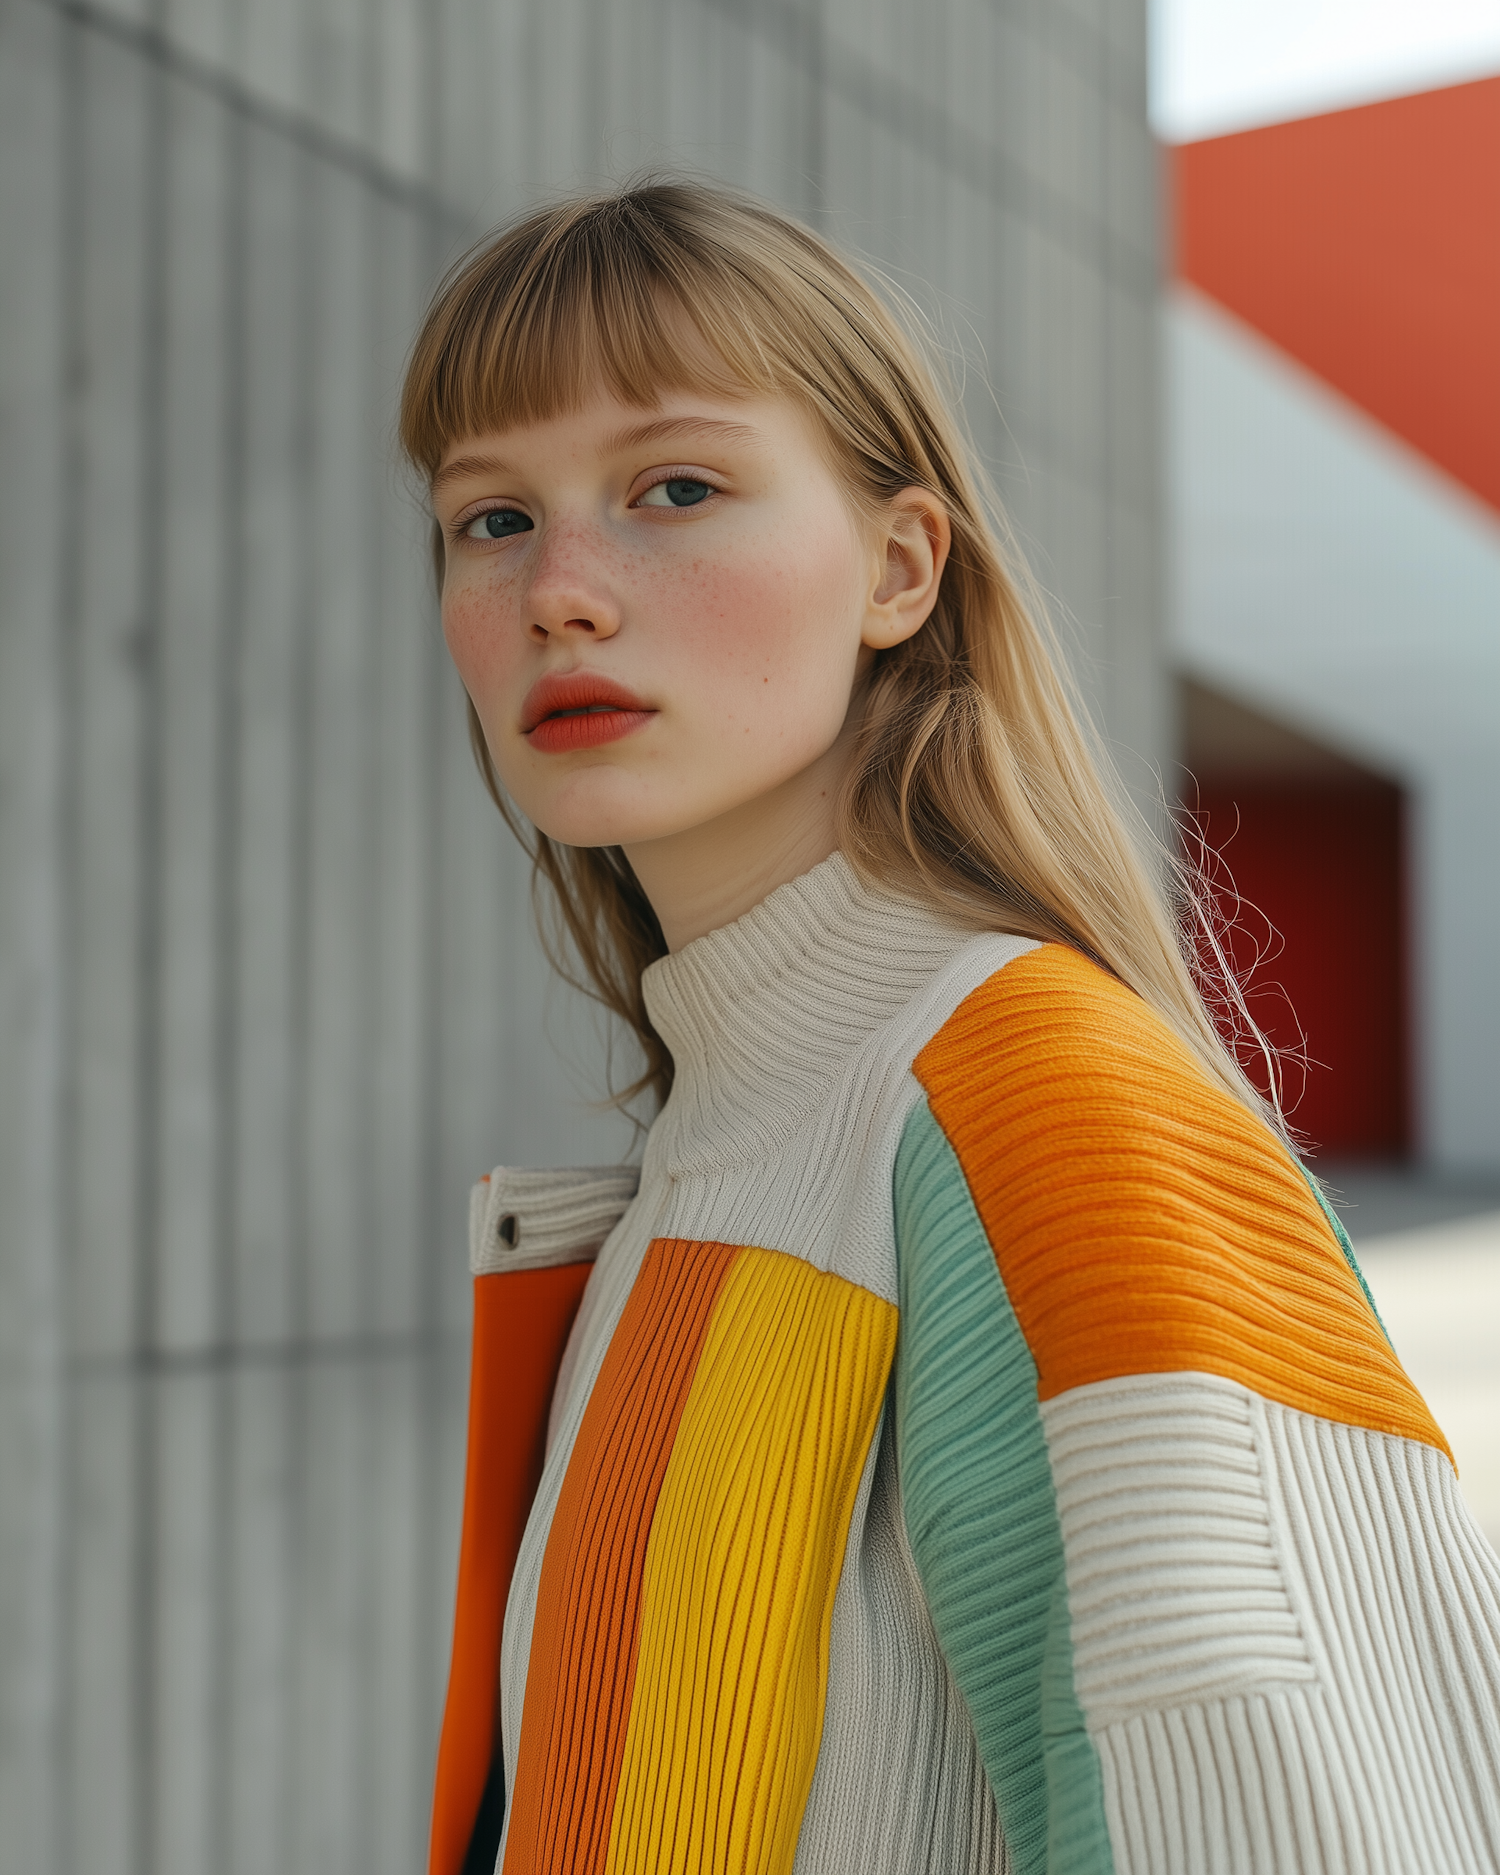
{"points": [[1175, 1587], [1401, 1595], [1285, 1636], [892, 1707]]}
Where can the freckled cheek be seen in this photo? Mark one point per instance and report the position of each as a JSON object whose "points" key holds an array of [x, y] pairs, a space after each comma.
{"points": [[770, 620], [474, 622]]}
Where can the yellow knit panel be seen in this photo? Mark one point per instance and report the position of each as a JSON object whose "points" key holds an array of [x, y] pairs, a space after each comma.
{"points": [[746, 1548]]}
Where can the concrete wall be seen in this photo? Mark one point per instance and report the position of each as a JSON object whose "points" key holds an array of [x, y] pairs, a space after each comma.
{"points": [[270, 999]]}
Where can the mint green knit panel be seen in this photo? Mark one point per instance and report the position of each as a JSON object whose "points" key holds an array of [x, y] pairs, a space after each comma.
{"points": [[1336, 1225], [981, 1515]]}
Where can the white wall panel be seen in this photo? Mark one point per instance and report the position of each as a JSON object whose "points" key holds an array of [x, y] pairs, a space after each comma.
{"points": [[271, 997], [1308, 539]]}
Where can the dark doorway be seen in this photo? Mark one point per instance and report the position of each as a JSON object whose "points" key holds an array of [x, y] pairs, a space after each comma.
{"points": [[1311, 880]]}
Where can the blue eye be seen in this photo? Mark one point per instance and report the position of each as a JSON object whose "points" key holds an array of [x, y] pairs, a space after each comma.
{"points": [[498, 524], [685, 494], [679, 491]]}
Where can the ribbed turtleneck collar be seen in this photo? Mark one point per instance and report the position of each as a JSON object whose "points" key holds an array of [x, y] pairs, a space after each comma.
{"points": [[761, 1015]]}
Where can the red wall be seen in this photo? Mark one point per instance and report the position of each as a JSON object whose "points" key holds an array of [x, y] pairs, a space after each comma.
{"points": [[1320, 870], [1366, 243]]}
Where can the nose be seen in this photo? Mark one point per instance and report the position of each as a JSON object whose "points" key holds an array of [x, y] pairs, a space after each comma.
{"points": [[570, 592]]}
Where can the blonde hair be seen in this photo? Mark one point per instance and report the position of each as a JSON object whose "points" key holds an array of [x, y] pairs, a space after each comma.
{"points": [[976, 784]]}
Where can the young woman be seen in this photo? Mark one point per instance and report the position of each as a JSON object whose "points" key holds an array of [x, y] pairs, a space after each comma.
{"points": [[972, 1446]]}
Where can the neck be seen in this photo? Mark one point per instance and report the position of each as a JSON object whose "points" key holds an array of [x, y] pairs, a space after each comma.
{"points": [[707, 876]]}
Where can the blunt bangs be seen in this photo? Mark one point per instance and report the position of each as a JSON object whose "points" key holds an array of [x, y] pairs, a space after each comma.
{"points": [[603, 294], [667, 287]]}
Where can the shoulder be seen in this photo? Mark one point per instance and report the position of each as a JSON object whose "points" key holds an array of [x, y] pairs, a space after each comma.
{"points": [[1141, 1218], [1053, 1075], [1053, 1027]]}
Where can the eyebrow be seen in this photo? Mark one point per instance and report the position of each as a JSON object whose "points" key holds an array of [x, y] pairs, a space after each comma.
{"points": [[661, 429], [462, 466]]}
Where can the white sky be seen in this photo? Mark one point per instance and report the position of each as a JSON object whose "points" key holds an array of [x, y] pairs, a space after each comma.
{"points": [[1219, 65]]}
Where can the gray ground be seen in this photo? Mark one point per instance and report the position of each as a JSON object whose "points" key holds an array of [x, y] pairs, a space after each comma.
{"points": [[1375, 1199]]}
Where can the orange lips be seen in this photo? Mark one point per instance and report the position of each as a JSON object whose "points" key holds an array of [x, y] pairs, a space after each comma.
{"points": [[579, 710]]}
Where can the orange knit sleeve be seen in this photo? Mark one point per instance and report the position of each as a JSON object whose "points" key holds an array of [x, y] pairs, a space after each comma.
{"points": [[1144, 1221]]}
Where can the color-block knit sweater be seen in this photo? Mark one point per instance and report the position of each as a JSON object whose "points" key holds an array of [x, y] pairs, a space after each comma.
{"points": [[974, 1449]]}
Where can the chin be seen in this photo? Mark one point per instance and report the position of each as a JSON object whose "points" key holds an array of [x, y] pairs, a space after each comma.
{"points": [[608, 822]]}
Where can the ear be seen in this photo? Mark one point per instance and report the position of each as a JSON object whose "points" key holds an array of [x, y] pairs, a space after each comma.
{"points": [[913, 541]]}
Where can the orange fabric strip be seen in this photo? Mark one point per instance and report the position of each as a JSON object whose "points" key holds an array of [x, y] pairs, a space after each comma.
{"points": [[1143, 1221], [584, 1639], [521, 1323]]}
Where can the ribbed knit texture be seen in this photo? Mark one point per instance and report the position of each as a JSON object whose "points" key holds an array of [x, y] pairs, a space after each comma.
{"points": [[1285, 1636], [898, 1784], [530, 1273], [1385, 1758], [1145, 1222], [1174, 1580], [763, 1017], [1158, 1561], [982, 1517], [583, 1657], [526, 1220], [1399, 1593], [746, 1549]]}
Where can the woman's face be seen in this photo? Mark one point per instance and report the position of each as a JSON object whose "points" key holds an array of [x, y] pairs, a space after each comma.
{"points": [[659, 613]]}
